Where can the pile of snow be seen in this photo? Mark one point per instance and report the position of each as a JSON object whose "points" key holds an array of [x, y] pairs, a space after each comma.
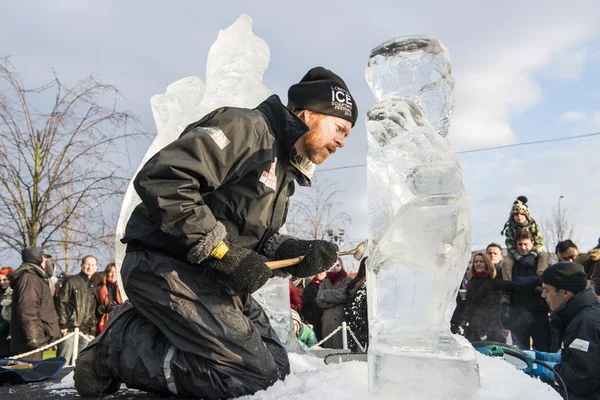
{"points": [[311, 379]]}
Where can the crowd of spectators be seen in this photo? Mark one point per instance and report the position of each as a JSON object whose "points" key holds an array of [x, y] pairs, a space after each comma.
{"points": [[36, 311], [550, 311]]}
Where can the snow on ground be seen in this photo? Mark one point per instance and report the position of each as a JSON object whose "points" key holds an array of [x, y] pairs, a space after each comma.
{"points": [[311, 379]]}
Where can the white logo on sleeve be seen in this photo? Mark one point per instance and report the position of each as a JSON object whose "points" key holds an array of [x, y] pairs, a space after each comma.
{"points": [[269, 178], [580, 344], [218, 136]]}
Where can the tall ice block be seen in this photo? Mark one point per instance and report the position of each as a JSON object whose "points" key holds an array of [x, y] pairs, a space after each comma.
{"points": [[420, 227]]}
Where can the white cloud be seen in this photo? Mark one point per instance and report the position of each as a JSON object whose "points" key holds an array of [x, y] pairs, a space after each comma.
{"points": [[595, 120], [572, 116], [568, 64]]}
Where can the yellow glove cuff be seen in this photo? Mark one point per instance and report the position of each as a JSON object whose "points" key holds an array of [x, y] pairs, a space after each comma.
{"points": [[220, 250]]}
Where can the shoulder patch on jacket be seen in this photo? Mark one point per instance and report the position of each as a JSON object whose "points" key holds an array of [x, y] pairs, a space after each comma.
{"points": [[218, 136], [580, 344]]}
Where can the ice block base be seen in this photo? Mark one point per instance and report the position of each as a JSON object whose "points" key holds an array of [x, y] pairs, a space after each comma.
{"points": [[396, 372]]}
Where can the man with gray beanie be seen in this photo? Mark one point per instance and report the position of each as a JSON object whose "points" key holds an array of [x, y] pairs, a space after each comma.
{"points": [[576, 315], [212, 205]]}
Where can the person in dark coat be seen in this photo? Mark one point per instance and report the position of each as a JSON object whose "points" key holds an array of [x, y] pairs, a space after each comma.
{"points": [[34, 322], [576, 314], [311, 311], [5, 302], [355, 311], [481, 317], [212, 203], [331, 298], [108, 293], [76, 307], [527, 315]]}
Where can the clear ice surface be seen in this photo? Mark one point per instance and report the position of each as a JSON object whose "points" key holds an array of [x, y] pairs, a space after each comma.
{"points": [[420, 227], [235, 66]]}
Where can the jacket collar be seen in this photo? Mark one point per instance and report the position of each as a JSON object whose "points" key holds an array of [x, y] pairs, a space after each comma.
{"points": [[29, 266], [578, 302], [287, 129]]}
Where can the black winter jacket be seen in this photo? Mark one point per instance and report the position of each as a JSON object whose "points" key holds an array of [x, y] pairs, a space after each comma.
{"points": [[580, 365], [232, 166], [33, 317], [310, 309], [527, 297], [76, 304], [481, 316]]}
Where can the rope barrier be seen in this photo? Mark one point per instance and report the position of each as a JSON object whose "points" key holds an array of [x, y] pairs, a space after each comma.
{"points": [[329, 336], [46, 347], [360, 346]]}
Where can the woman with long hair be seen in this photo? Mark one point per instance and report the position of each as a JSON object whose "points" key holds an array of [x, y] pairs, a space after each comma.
{"points": [[331, 298], [355, 311], [481, 318], [108, 293]]}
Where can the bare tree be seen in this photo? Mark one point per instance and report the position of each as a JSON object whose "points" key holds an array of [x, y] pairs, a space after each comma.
{"points": [[557, 228], [61, 155], [312, 215]]}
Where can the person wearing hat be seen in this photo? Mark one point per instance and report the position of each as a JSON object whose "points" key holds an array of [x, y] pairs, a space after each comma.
{"points": [[520, 219], [576, 315], [212, 205], [34, 322]]}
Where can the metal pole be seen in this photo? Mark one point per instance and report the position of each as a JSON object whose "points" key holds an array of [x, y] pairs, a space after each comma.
{"points": [[75, 345], [345, 335]]}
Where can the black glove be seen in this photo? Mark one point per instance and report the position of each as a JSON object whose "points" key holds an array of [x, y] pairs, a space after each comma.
{"points": [[319, 256], [505, 316], [528, 261], [242, 269]]}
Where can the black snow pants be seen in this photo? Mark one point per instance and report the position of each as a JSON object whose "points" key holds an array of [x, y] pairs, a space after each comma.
{"points": [[187, 334]]}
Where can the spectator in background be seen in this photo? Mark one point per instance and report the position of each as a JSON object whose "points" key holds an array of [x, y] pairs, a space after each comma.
{"points": [[76, 307], [5, 302], [527, 314], [591, 264], [295, 299], [355, 311], [310, 309], [331, 298], [33, 321], [566, 251], [494, 252], [520, 220], [109, 295], [304, 333], [481, 317]]}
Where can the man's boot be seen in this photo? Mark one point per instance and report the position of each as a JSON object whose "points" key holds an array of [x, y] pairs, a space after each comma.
{"points": [[87, 381]]}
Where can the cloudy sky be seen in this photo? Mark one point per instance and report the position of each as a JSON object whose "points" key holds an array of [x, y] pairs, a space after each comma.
{"points": [[525, 71]]}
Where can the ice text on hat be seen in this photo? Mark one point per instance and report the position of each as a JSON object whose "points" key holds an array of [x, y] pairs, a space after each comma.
{"points": [[341, 100]]}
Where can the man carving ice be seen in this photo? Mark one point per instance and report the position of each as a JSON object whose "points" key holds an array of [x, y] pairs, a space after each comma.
{"points": [[212, 204]]}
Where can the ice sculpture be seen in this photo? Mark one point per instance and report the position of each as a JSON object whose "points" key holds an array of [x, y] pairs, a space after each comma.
{"points": [[420, 227], [235, 66]]}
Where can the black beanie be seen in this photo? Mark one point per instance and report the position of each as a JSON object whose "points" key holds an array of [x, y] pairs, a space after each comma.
{"points": [[566, 275], [33, 255], [323, 91]]}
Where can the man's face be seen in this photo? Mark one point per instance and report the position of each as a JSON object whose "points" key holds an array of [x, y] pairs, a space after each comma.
{"points": [[569, 255], [495, 254], [556, 298], [89, 266], [524, 246], [326, 133]]}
